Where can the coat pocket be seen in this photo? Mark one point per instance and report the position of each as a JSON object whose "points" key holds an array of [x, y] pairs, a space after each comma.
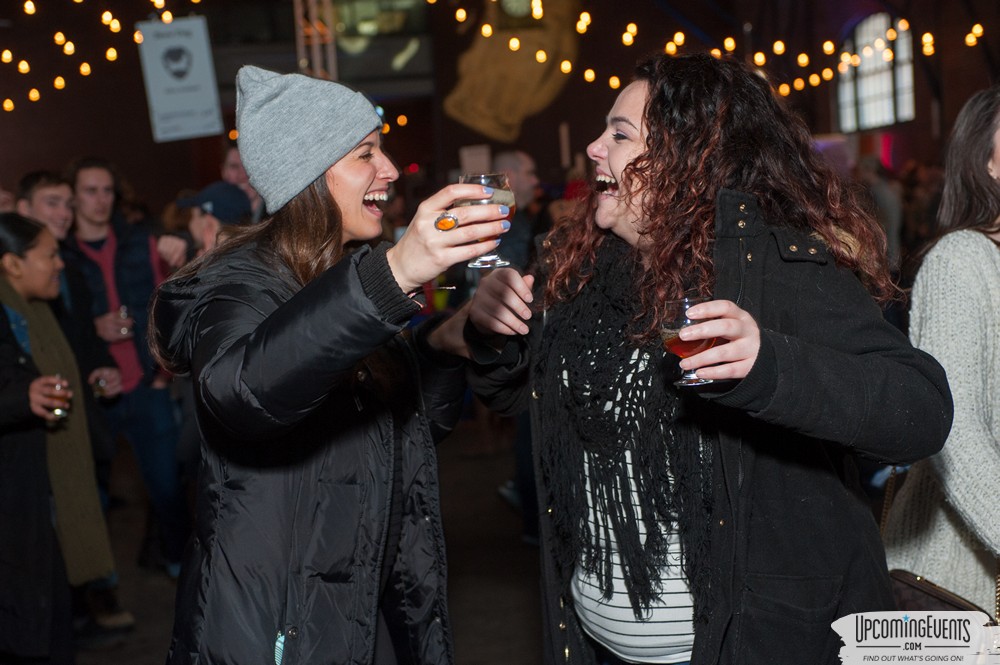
{"points": [[331, 533], [787, 619]]}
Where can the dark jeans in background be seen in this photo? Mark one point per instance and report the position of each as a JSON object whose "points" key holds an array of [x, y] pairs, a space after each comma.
{"points": [[145, 416]]}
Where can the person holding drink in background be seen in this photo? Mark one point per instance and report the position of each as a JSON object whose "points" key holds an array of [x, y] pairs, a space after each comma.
{"points": [[52, 531], [720, 523], [318, 531]]}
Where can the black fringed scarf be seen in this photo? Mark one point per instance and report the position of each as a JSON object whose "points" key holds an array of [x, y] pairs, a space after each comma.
{"points": [[587, 361]]}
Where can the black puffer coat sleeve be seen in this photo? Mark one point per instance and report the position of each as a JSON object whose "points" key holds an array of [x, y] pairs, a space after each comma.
{"points": [[263, 362]]}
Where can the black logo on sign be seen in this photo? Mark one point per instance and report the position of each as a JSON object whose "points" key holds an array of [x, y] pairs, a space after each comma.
{"points": [[177, 61]]}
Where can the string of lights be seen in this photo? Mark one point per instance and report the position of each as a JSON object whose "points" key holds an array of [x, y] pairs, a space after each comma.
{"points": [[824, 66], [76, 63], [881, 48]]}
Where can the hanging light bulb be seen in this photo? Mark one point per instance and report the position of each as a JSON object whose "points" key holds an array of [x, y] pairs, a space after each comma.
{"points": [[679, 38], [514, 44], [8, 105], [799, 84], [829, 47], [29, 7], [716, 53], [461, 15], [632, 29], [779, 47], [34, 95], [670, 48], [759, 59], [59, 83], [541, 56], [115, 25], [23, 67], [106, 17], [85, 69], [69, 48], [59, 38], [6, 55], [628, 39], [784, 90], [803, 60], [614, 83], [167, 17], [977, 30], [111, 54], [137, 36], [486, 30], [589, 75], [729, 44], [565, 66]]}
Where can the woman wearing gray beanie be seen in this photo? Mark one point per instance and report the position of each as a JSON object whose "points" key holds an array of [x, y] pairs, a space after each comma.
{"points": [[318, 533]]}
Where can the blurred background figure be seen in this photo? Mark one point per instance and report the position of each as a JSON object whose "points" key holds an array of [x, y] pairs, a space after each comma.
{"points": [[887, 198], [945, 521], [47, 197], [215, 207], [234, 173], [121, 267], [52, 531], [6, 200], [520, 170]]}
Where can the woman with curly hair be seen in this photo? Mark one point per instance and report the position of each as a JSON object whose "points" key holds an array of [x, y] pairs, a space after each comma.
{"points": [[723, 523]]}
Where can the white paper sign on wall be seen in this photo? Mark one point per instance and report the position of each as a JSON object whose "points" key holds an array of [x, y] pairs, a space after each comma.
{"points": [[179, 74]]}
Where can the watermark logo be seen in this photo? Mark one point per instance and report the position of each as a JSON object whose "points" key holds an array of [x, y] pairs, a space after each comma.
{"points": [[918, 637]]}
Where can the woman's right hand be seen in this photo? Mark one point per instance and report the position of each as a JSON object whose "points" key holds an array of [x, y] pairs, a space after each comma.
{"points": [[111, 327], [424, 252], [501, 304], [42, 395]]}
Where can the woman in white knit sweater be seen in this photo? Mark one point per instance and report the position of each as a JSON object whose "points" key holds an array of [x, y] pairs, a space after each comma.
{"points": [[945, 521]]}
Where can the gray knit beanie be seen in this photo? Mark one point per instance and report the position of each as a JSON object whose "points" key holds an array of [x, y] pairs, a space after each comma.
{"points": [[292, 128]]}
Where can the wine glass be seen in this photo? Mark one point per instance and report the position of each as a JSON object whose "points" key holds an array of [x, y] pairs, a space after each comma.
{"points": [[61, 412], [670, 334], [502, 195]]}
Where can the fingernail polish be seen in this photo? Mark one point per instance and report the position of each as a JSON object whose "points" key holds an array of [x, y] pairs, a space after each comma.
{"points": [[505, 225], [504, 210], [499, 240], [488, 191]]}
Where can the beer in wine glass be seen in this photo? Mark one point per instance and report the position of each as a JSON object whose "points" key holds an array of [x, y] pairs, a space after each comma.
{"points": [[670, 334], [502, 195]]}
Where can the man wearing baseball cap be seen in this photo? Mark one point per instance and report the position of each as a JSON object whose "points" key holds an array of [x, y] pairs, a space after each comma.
{"points": [[217, 205]]}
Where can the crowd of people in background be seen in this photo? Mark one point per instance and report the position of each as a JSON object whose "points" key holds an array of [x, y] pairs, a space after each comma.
{"points": [[82, 259]]}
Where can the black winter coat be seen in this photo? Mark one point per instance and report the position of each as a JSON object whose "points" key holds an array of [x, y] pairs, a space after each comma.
{"points": [[794, 543], [299, 392], [28, 540]]}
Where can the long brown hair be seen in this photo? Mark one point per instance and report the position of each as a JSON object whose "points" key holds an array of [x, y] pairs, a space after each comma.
{"points": [[306, 235], [971, 196], [712, 124]]}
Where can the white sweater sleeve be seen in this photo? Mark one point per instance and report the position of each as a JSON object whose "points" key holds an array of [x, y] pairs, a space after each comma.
{"points": [[954, 317]]}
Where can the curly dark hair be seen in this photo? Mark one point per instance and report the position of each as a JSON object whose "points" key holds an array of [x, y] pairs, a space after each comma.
{"points": [[715, 123]]}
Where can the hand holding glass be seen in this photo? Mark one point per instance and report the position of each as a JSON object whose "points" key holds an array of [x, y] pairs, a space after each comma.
{"points": [[672, 342], [502, 195], [62, 411]]}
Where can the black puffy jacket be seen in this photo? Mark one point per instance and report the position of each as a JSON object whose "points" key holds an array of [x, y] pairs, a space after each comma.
{"points": [[299, 392]]}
